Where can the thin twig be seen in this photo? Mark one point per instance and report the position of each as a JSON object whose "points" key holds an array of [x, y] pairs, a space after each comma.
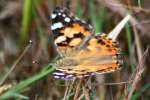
{"points": [[67, 89], [139, 71], [86, 93], [78, 89], [123, 12], [16, 62], [36, 97], [138, 43], [116, 83], [81, 97], [111, 94], [71, 86], [42, 16]]}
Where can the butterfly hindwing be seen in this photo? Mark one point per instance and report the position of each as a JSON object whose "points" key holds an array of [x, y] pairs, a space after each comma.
{"points": [[100, 56]]}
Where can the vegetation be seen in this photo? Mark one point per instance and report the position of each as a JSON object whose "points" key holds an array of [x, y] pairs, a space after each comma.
{"points": [[27, 51]]}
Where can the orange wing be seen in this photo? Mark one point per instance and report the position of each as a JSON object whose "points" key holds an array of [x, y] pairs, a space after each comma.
{"points": [[68, 31], [74, 36], [82, 54], [101, 55]]}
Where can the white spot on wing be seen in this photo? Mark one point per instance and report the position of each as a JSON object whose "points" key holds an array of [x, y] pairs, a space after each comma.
{"points": [[64, 15], [93, 74], [67, 19], [90, 26], [56, 25], [56, 73], [77, 18], [59, 13], [80, 76], [83, 21], [69, 76], [60, 39], [56, 77], [53, 16], [72, 71], [60, 70]]}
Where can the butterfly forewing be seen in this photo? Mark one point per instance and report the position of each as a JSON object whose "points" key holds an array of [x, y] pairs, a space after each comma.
{"points": [[99, 56], [68, 31]]}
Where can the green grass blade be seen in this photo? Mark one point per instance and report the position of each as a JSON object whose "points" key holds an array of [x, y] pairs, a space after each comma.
{"points": [[26, 83], [138, 94], [21, 96], [79, 11], [129, 40], [102, 14], [26, 21], [139, 3], [96, 21]]}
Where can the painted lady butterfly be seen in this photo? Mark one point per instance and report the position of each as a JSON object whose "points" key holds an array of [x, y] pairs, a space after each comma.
{"points": [[82, 53]]}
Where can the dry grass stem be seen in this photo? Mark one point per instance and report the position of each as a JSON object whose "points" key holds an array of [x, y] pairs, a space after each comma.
{"points": [[42, 16], [78, 87], [5, 87], [16, 62], [138, 43], [116, 83], [86, 92], [115, 32], [68, 89], [139, 71], [81, 97], [123, 11], [71, 87]]}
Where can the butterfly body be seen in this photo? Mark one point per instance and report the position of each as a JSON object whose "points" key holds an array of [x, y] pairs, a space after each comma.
{"points": [[82, 53]]}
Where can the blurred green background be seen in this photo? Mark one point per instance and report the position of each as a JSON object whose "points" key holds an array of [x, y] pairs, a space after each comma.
{"points": [[25, 70]]}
